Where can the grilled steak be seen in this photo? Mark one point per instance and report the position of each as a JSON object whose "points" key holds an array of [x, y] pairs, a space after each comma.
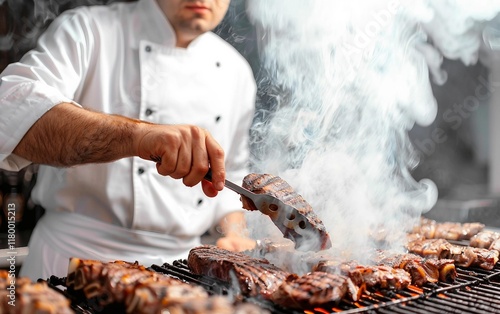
{"points": [[216, 305], [315, 289], [422, 270], [151, 296], [29, 297], [464, 256], [334, 265], [384, 277], [254, 276], [484, 239], [279, 188]]}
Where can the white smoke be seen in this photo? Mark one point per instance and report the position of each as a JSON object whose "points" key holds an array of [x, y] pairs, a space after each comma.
{"points": [[346, 81]]}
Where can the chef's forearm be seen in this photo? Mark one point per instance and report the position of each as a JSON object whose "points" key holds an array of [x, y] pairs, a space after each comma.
{"points": [[68, 135]]}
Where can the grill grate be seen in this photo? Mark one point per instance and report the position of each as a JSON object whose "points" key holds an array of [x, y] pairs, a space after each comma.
{"points": [[474, 291], [180, 270]]}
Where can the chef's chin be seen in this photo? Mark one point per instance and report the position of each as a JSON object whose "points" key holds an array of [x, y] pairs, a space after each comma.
{"points": [[197, 26]]}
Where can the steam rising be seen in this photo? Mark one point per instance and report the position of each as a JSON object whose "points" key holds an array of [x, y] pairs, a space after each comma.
{"points": [[342, 88]]}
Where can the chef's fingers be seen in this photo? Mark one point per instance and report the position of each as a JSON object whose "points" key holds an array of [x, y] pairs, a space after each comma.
{"points": [[184, 151], [184, 160], [198, 166], [169, 144], [217, 162], [208, 188]]}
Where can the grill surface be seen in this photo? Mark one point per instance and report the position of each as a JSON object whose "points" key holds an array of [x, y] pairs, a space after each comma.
{"points": [[474, 291]]}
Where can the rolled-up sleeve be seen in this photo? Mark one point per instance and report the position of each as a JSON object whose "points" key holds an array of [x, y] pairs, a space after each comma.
{"points": [[46, 76]]}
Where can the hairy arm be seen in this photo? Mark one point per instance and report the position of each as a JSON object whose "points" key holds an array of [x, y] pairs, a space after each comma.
{"points": [[68, 135]]}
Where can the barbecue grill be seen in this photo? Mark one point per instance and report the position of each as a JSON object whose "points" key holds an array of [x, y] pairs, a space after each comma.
{"points": [[474, 291]]}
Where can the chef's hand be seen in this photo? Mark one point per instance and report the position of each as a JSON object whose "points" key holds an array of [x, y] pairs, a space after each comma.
{"points": [[183, 152], [236, 243]]}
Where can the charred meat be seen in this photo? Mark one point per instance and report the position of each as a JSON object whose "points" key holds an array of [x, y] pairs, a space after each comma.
{"points": [[280, 189], [314, 289], [464, 256], [431, 229], [30, 298], [369, 276], [422, 270], [254, 276], [380, 277], [484, 239], [140, 290]]}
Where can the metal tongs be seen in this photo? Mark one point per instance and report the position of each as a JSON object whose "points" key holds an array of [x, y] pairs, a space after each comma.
{"points": [[293, 224]]}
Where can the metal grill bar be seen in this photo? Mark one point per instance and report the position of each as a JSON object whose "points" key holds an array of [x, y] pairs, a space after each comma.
{"points": [[212, 285], [180, 270], [474, 291]]}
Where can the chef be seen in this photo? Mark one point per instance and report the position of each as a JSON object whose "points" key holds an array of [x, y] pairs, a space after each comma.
{"points": [[125, 107]]}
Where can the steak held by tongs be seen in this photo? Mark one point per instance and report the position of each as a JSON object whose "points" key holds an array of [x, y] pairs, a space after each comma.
{"points": [[292, 214], [289, 211]]}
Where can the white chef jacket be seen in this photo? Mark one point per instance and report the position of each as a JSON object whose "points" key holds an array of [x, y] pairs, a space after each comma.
{"points": [[121, 59]]}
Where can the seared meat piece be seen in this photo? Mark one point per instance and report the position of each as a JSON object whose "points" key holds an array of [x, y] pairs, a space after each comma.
{"points": [[427, 228], [216, 304], [485, 258], [464, 256], [255, 276], [159, 293], [446, 268], [139, 290], [335, 265], [495, 245], [279, 188], [30, 298], [110, 282], [381, 276], [437, 248], [487, 240], [422, 270], [484, 239], [410, 237], [457, 231], [448, 230], [315, 289]]}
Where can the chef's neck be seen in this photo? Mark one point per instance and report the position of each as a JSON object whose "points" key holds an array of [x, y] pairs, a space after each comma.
{"points": [[183, 40], [186, 27]]}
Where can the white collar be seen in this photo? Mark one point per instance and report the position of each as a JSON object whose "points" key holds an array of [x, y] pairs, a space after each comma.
{"points": [[155, 25]]}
